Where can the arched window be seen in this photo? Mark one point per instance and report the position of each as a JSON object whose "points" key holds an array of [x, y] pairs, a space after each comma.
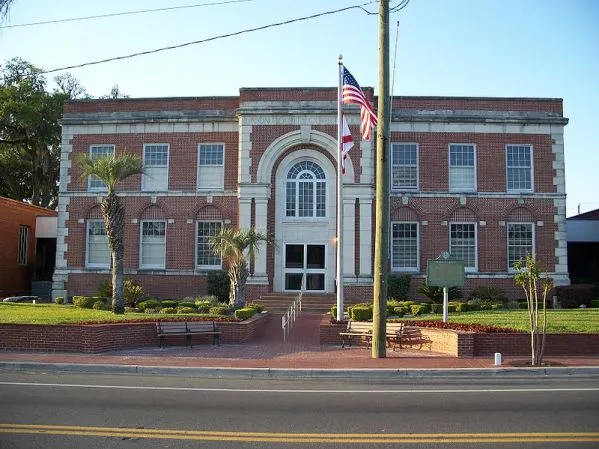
{"points": [[306, 191]]}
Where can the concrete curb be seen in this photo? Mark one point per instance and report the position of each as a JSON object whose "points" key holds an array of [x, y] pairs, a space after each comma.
{"points": [[299, 373]]}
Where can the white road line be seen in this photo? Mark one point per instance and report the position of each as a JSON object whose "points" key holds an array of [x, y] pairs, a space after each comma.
{"points": [[286, 391]]}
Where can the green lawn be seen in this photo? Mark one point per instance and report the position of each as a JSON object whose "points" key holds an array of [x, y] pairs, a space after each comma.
{"points": [[558, 321]]}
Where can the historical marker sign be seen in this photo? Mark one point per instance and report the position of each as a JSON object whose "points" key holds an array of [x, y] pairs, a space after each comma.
{"points": [[445, 273]]}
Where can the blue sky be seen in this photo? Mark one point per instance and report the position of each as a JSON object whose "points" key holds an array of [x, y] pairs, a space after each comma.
{"points": [[528, 48]]}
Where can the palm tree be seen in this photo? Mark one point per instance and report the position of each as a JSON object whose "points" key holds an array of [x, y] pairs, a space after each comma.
{"points": [[112, 171], [234, 247]]}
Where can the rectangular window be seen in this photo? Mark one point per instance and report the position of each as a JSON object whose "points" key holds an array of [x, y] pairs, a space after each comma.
{"points": [[97, 252], [462, 243], [153, 244], [211, 166], [404, 246], [23, 244], [520, 242], [519, 168], [462, 167], [155, 163], [205, 257], [96, 151], [404, 166]]}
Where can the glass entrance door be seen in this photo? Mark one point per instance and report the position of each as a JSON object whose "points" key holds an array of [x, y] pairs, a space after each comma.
{"points": [[308, 260]]}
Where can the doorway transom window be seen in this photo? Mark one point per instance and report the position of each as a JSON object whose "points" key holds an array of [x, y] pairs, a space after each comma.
{"points": [[306, 191]]}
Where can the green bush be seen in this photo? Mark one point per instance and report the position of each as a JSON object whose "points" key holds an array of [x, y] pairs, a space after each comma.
{"points": [[210, 300], [105, 289], [573, 296], [523, 305], [489, 293], [435, 294], [407, 303], [183, 310], [132, 291], [512, 305], [219, 310], [167, 310], [460, 306], [419, 309], [398, 286], [391, 305], [437, 308], [203, 308], [219, 285], [149, 304], [480, 304], [59, 300], [84, 302], [594, 303], [169, 303], [361, 313], [245, 313], [496, 306], [258, 307], [191, 305], [100, 305], [152, 309], [400, 310], [451, 308]]}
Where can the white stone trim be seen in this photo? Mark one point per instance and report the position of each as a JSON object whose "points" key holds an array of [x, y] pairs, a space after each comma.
{"points": [[475, 128], [245, 147], [155, 128], [61, 272]]}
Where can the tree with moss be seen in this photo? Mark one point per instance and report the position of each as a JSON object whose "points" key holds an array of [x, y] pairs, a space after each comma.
{"points": [[536, 288]]}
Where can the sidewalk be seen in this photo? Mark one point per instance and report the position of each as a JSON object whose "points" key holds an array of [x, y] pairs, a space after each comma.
{"points": [[301, 354]]}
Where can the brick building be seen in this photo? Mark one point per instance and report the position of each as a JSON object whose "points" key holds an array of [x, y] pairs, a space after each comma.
{"points": [[27, 242], [481, 177]]}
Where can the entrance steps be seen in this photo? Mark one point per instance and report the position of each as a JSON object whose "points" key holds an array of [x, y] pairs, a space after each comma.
{"points": [[311, 303]]}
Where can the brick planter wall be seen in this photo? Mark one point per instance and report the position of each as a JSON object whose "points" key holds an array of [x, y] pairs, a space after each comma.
{"points": [[92, 338]]}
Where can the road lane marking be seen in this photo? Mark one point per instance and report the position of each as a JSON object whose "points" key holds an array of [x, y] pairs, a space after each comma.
{"points": [[285, 437], [286, 391]]}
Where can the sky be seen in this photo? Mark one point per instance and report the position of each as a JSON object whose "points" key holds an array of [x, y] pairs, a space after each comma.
{"points": [[497, 48]]}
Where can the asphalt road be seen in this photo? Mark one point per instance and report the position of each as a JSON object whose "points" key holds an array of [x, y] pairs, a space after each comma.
{"points": [[60, 410]]}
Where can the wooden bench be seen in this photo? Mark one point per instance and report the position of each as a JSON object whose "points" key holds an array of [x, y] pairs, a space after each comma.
{"points": [[359, 329], [188, 329], [412, 336], [393, 334]]}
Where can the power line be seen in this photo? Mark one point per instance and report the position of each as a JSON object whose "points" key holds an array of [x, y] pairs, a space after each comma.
{"points": [[125, 13], [222, 36]]}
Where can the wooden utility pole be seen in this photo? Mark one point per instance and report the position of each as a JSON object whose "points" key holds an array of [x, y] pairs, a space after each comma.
{"points": [[381, 242]]}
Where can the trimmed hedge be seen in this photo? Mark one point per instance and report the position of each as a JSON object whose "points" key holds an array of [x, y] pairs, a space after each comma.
{"points": [[219, 310], [168, 310], [191, 305], [400, 310], [259, 308], [149, 304], [100, 305], [184, 310], [460, 306], [245, 313], [361, 313], [84, 302], [169, 303], [419, 309], [59, 300], [594, 303], [573, 296]]}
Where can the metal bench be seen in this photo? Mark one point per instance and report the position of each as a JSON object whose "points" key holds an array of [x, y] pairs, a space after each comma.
{"points": [[187, 329], [358, 329]]}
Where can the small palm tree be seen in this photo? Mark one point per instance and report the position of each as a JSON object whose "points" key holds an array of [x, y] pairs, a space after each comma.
{"points": [[234, 247], [112, 171]]}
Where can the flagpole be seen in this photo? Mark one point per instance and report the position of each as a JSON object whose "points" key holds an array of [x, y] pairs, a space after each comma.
{"points": [[339, 195]]}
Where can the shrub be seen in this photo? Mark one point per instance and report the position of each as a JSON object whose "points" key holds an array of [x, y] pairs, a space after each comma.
{"points": [[132, 291], [573, 296], [523, 304], [257, 307], [203, 308], [219, 310], [451, 308], [219, 285], [183, 309], [437, 308], [167, 310], [191, 305], [105, 289], [398, 286], [419, 309], [435, 294], [480, 304], [594, 303], [407, 303], [84, 302], [512, 305], [169, 303], [59, 300], [245, 313], [210, 300], [494, 295], [152, 310], [100, 305], [460, 306], [391, 305], [496, 306], [400, 310], [361, 313], [149, 304]]}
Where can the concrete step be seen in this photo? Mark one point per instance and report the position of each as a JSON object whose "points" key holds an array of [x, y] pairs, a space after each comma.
{"points": [[311, 303]]}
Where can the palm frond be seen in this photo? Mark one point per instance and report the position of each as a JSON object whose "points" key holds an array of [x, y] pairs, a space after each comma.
{"points": [[111, 170]]}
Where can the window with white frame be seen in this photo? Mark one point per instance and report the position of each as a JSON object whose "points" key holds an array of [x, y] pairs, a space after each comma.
{"points": [[155, 163], [404, 166], [205, 257], [211, 166], [96, 151], [97, 252], [153, 244], [404, 246], [520, 242], [519, 168], [23, 244], [306, 191], [462, 167], [462, 243]]}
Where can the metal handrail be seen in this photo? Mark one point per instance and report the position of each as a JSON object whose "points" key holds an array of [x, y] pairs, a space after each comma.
{"points": [[292, 312]]}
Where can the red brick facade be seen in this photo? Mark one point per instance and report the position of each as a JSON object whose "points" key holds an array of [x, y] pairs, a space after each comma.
{"points": [[265, 132]]}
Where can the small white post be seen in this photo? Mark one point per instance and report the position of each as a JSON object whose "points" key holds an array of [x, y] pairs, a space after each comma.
{"points": [[445, 303], [498, 359]]}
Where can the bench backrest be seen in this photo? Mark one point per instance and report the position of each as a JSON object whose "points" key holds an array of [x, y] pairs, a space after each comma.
{"points": [[411, 331], [201, 326], [394, 328], [359, 326], [171, 327]]}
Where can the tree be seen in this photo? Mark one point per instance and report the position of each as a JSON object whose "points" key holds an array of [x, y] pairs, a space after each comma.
{"points": [[5, 8], [528, 276], [112, 171], [115, 92], [70, 86], [234, 247]]}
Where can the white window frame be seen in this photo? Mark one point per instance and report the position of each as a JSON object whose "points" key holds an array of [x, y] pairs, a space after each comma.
{"points": [[195, 253], [148, 184], [93, 178], [417, 166], [221, 185], [473, 188], [507, 236], [473, 269], [23, 252], [532, 168], [143, 266], [314, 181], [89, 264], [406, 269]]}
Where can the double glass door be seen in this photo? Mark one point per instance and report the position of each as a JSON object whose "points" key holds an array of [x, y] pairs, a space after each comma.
{"points": [[305, 260]]}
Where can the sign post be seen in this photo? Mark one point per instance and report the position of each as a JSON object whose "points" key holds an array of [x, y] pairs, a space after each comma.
{"points": [[445, 272]]}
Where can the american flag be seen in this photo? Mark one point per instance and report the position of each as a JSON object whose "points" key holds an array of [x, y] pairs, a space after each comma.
{"points": [[351, 93], [347, 142]]}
